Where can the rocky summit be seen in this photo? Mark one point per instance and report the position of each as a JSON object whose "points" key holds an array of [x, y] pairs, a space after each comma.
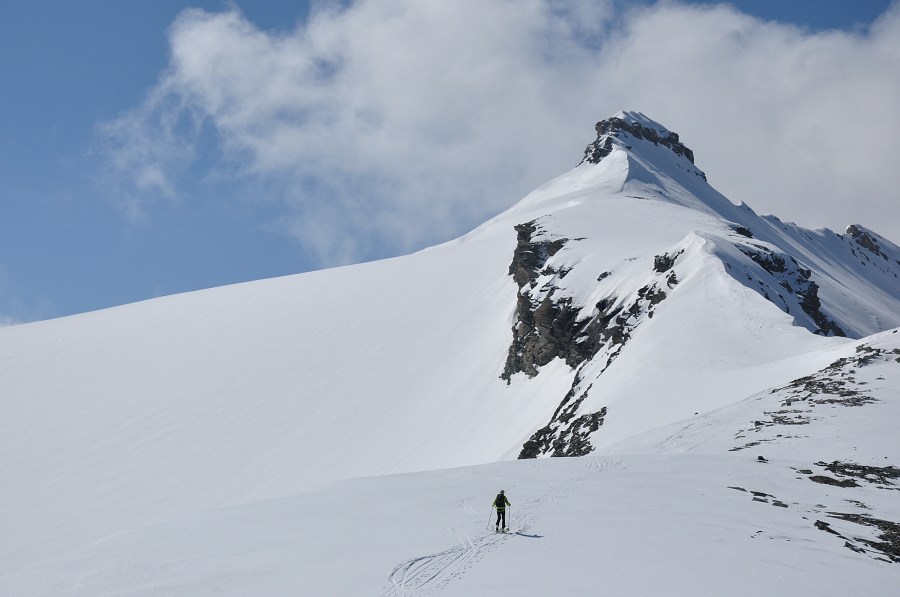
{"points": [[632, 126]]}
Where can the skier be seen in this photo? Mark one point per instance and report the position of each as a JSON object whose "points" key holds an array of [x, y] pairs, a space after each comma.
{"points": [[500, 503]]}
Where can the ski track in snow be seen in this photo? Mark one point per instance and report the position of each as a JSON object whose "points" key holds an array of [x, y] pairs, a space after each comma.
{"points": [[434, 571], [422, 574]]}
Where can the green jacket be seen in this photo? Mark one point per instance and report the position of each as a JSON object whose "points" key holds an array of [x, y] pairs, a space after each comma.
{"points": [[500, 502]]}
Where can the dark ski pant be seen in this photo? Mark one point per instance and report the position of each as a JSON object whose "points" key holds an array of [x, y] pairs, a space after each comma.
{"points": [[501, 518]]}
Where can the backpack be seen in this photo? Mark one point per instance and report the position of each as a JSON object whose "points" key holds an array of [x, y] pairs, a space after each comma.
{"points": [[500, 501]]}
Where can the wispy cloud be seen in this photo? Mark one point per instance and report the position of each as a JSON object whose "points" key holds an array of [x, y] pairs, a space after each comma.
{"points": [[392, 123]]}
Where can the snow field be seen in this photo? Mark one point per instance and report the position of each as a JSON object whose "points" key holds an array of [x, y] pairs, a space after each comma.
{"points": [[638, 525]]}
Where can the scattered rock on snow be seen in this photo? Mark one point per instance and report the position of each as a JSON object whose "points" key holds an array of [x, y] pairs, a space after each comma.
{"points": [[825, 480], [872, 474], [889, 544]]}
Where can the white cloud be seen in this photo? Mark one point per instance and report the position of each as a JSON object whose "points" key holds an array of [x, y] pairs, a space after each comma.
{"points": [[393, 123], [144, 150], [797, 124]]}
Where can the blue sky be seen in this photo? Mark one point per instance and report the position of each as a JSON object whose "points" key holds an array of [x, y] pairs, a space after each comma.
{"points": [[146, 150]]}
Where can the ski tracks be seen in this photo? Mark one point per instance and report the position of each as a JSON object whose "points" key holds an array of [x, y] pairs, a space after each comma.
{"points": [[434, 571], [420, 575], [424, 573]]}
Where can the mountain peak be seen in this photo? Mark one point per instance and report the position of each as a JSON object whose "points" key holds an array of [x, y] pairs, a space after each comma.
{"points": [[639, 118], [626, 125]]}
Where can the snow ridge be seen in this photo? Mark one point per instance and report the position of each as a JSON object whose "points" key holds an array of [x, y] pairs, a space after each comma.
{"points": [[579, 307]]}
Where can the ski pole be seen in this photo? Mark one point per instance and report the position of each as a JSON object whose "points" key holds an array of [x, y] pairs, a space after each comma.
{"points": [[490, 513]]}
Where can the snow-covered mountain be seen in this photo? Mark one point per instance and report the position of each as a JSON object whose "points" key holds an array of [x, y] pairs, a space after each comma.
{"points": [[636, 231], [624, 311]]}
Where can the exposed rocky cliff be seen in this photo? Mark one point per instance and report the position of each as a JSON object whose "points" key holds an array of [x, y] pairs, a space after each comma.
{"points": [[549, 325], [546, 327]]}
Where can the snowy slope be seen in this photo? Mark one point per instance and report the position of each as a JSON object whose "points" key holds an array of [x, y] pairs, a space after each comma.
{"points": [[622, 297], [119, 417], [686, 510]]}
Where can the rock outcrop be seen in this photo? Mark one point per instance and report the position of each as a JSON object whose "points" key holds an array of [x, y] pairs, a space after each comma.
{"points": [[618, 128], [787, 284], [550, 325], [546, 326]]}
